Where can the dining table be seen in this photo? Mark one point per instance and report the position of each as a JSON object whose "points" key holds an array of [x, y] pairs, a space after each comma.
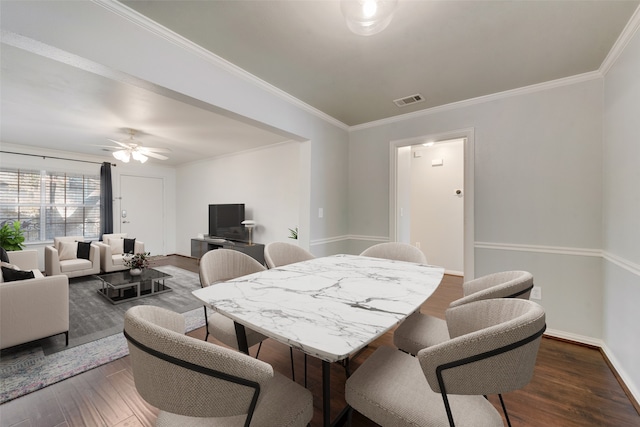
{"points": [[328, 307]]}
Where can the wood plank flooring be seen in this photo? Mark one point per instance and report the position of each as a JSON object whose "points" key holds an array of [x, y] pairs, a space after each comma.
{"points": [[572, 385]]}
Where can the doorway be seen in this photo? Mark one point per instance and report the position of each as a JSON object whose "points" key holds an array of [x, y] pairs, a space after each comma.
{"points": [[431, 203], [141, 211]]}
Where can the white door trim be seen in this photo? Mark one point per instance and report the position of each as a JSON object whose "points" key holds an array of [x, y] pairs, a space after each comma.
{"points": [[469, 161]]}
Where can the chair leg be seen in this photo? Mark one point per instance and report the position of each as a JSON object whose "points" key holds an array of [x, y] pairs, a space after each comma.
{"points": [[259, 347], [504, 409], [206, 324]]}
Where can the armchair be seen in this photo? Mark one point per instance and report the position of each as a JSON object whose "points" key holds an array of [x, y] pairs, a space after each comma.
{"points": [[62, 258], [112, 251], [35, 308]]}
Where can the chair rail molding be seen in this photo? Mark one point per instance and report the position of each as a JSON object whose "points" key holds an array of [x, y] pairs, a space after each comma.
{"points": [[539, 248], [626, 264]]}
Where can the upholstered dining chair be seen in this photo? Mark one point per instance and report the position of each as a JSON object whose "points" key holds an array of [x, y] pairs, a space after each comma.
{"points": [[198, 383], [396, 251], [277, 254], [492, 350], [422, 330], [217, 266]]}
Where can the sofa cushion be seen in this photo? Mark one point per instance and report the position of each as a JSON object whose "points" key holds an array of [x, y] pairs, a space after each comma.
{"points": [[75, 264], [129, 246], [67, 250], [118, 259], [11, 275], [84, 249], [117, 246]]}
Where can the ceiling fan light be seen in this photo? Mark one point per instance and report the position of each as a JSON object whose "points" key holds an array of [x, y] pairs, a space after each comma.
{"points": [[368, 17], [139, 156], [122, 155]]}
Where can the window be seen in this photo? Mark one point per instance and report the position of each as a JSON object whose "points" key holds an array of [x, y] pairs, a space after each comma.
{"points": [[50, 204]]}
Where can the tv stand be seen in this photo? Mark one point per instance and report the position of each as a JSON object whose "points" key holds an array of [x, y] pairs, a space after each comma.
{"points": [[199, 247]]}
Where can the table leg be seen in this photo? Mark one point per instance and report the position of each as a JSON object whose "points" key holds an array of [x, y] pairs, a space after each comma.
{"points": [[326, 393], [241, 335]]}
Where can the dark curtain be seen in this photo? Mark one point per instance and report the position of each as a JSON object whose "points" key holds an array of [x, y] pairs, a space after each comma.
{"points": [[106, 200]]}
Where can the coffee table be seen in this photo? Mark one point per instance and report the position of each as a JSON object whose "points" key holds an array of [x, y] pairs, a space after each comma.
{"points": [[121, 286]]}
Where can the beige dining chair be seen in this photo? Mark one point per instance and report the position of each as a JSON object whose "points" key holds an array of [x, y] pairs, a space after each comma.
{"points": [[422, 330], [396, 251], [492, 350], [277, 254], [217, 266], [198, 383]]}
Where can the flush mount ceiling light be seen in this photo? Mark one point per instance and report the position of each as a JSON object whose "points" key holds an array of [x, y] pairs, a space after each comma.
{"points": [[133, 148], [368, 17]]}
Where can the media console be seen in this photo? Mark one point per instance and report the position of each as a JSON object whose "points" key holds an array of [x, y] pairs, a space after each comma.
{"points": [[201, 246]]}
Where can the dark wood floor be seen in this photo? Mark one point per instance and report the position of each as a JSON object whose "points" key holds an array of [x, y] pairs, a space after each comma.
{"points": [[572, 385]]}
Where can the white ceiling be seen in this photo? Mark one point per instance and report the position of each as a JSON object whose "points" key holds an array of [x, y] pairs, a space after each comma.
{"points": [[447, 51]]}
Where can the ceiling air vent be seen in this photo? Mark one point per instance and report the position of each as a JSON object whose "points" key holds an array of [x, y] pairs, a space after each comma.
{"points": [[408, 100]]}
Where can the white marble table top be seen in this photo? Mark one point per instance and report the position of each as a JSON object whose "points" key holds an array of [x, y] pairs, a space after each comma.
{"points": [[328, 307]]}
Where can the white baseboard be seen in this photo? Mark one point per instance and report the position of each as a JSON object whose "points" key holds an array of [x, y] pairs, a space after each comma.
{"points": [[617, 366], [581, 339]]}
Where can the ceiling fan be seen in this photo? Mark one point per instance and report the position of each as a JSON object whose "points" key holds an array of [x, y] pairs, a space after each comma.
{"points": [[133, 148]]}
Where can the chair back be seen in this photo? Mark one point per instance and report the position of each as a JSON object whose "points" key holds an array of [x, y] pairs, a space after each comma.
{"points": [[396, 251], [505, 284], [107, 237], [277, 254], [58, 240], [220, 265], [493, 348], [187, 376]]}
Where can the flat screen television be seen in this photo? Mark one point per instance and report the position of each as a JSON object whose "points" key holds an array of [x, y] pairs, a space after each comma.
{"points": [[225, 221]]}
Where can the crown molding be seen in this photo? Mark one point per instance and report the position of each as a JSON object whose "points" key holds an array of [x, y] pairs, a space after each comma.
{"points": [[621, 43], [565, 81], [153, 27]]}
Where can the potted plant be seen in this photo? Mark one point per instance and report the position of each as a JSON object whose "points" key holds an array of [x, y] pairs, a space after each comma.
{"points": [[11, 237], [137, 263], [293, 233]]}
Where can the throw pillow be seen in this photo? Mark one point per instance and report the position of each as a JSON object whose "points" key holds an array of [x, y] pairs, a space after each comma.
{"points": [[11, 275], [9, 265], [4, 256], [116, 246], [129, 245], [84, 249], [67, 250]]}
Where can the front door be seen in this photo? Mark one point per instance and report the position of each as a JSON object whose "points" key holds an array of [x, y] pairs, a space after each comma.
{"points": [[142, 211]]}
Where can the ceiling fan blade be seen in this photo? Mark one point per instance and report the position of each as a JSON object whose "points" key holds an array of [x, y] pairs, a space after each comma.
{"points": [[154, 150], [122, 144], [155, 155]]}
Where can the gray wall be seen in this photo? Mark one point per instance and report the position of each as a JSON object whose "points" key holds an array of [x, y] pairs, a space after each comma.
{"points": [[621, 212], [538, 196]]}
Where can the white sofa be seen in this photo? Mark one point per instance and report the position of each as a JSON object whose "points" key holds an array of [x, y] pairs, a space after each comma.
{"points": [[112, 254], [35, 308], [61, 258]]}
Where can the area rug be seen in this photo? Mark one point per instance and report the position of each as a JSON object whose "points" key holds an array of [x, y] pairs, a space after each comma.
{"points": [[33, 367]]}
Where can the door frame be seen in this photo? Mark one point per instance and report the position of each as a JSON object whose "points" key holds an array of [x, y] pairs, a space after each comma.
{"points": [[469, 161]]}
